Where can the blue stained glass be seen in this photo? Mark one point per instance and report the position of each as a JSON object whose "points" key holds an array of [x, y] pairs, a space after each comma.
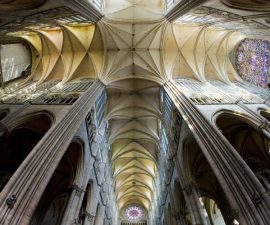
{"points": [[252, 61]]}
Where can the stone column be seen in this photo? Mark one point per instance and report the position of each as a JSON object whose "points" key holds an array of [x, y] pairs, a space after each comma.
{"points": [[192, 195], [226, 211], [73, 206], [192, 199], [89, 219], [245, 193], [180, 219], [31, 178]]}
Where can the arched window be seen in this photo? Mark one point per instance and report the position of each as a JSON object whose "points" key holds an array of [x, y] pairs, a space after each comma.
{"points": [[15, 61]]}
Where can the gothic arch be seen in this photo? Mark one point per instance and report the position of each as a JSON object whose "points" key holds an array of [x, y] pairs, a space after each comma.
{"points": [[46, 119], [24, 134], [200, 177], [249, 142], [265, 113], [3, 113], [245, 118], [52, 205]]}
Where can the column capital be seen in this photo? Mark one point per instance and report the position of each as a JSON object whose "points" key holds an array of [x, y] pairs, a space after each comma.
{"points": [[190, 186], [78, 190], [178, 216], [89, 216]]}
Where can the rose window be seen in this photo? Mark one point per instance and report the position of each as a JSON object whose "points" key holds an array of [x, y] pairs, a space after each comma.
{"points": [[134, 213], [252, 61]]}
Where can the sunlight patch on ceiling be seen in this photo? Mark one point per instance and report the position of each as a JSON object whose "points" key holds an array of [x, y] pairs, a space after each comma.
{"points": [[134, 10]]}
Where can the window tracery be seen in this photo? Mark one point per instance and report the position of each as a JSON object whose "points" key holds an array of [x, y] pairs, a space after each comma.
{"points": [[252, 61], [134, 213]]}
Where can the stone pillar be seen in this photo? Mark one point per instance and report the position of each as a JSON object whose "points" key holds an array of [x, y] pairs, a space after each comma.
{"points": [[245, 193], [89, 219], [31, 178], [227, 213], [192, 195], [73, 206], [192, 199], [180, 219]]}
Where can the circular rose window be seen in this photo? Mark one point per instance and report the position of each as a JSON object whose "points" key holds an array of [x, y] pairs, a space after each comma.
{"points": [[252, 61], [134, 213]]}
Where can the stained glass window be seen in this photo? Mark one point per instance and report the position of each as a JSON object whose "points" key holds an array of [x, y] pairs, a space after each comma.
{"points": [[252, 61], [134, 213], [15, 59]]}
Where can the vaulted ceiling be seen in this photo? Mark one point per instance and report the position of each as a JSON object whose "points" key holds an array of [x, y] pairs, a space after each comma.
{"points": [[133, 49], [133, 70], [134, 115]]}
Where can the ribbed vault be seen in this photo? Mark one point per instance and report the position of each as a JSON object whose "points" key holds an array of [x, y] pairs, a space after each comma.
{"points": [[132, 32], [133, 50], [134, 10], [64, 52], [133, 114], [200, 52]]}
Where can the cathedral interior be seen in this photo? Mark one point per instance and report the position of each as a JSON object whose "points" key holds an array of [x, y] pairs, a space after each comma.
{"points": [[135, 112]]}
